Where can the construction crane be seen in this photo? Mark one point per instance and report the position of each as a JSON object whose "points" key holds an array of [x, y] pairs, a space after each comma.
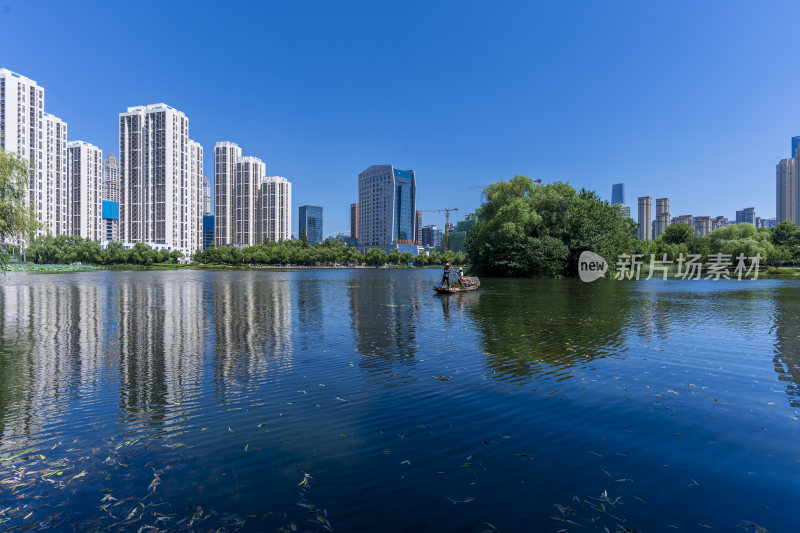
{"points": [[447, 223]]}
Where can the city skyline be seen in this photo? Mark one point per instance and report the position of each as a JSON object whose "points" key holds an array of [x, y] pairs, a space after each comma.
{"points": [[690, 120]]}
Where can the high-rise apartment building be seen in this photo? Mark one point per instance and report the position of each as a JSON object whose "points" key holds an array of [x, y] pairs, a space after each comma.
{"points": [[57, 221], [111, 178], [206, 196], [311, 222], [354, 221], [663, 217], [250, 172], [618, 193], [160, 173], [276, 209], [387, 204], [85, 170], [41, 139], [418, 228], [645, 232], [746, 215], [703, 226], [226, 156], [250, 207]]}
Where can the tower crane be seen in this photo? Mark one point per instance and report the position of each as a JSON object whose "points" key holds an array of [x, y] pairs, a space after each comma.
{"points": [[447, 223]]}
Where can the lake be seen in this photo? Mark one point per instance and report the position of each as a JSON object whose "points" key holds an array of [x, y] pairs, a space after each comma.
{"points": [[358, 400]]}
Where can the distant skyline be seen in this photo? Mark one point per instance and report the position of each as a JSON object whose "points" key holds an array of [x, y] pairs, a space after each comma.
{"points": [[691, 101]]}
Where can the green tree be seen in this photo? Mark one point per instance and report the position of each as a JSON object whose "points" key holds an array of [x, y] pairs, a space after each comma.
{"points": [[529, 230], [17, 220], [376, 257], [678, 234]]}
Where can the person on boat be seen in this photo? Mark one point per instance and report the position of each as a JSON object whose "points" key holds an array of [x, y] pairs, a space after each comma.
{"points": [[446, 276], [461, 274]]}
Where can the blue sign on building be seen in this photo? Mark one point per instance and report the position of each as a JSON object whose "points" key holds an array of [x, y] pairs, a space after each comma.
{"points": [[110, 209]]}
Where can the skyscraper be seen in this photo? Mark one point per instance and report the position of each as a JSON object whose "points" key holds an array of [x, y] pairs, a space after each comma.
{"points": [[111, 178], [226, 155], [41, 139], [354, 221], [387, 204], [311, 222], [645, 218], [418, 228], [785, 182], [618, 193], [250, 172], [276, 209], [85, 170], [663, 217], [159, 180]]}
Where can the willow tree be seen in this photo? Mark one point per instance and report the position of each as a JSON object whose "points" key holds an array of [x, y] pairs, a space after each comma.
{"points": [[17, 221]]}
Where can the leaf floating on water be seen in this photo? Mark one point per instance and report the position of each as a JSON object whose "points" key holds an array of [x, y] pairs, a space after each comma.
{"points": [[704, 525], [261, 425], [595, 453], [755, 527], [246, 446]]}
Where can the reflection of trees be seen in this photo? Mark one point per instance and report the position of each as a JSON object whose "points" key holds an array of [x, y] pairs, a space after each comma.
{"points": [[787, 341], [556, 323], [252, 328], [385, 309]]}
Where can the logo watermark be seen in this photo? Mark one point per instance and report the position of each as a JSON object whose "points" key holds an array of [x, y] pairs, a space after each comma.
{"points": [[591, 266], [719, 266]]}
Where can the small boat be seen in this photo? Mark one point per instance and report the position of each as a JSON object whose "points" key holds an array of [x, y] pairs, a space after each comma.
{"points": [[467, 283]]}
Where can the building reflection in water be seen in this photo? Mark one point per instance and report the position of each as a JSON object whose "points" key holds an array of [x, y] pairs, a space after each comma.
{"points": [[786, 328], [385, 311], [252, 324]]}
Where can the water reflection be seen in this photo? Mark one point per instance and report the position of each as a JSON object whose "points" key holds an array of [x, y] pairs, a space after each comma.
{"points": [[537, 327], [252, 321], [385, 310], [787, 342]]}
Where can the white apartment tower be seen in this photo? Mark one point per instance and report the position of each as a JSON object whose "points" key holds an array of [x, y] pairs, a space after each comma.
{"points": [[85, 170], [226, 155], [111, 178], [276, 209], [663, 217], [40, 138], [250, 172], [249, 207], [160, 173]]}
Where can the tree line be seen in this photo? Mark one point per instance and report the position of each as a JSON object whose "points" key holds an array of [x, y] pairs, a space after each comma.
{"points": [[328, 252], [529, 230], [68, 249]]}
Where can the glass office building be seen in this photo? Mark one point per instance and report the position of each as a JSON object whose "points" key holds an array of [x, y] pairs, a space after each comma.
{"points": [[311, 222], [387, 209]]}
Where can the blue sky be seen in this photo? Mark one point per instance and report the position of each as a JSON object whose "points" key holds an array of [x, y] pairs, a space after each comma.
{"points": [[695, 101]]}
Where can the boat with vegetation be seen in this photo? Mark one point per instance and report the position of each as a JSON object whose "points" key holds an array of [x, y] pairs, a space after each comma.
{"points": [[467, 283]]}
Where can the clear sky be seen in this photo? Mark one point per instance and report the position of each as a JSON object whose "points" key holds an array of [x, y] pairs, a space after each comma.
{"points": [[696, 101]]}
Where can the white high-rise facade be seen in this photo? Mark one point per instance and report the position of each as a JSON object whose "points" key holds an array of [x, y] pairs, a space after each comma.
{"points": [[85, 170], [160, 188], [386, 207], [40, 138], [249, 207], [206, 196], [226, 155], [276, 209], [250, 172], [111, 178], [645, 232]]}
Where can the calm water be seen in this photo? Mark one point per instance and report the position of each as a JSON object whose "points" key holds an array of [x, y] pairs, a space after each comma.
{"points": [[357, 400]]}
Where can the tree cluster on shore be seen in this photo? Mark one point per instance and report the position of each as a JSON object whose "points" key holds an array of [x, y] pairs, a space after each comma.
{"points": [[529, 230], [328, 252], [68, 249]]}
